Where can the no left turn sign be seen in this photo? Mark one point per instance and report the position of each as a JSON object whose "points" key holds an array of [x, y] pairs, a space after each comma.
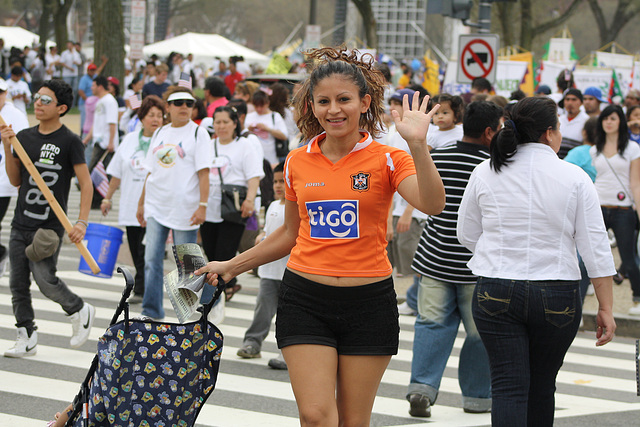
{"points": [[477, 57]]}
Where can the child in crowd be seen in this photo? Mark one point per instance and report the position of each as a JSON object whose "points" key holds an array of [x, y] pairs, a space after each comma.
{"points": [[270, 277], [447, 121], [633, 122]]}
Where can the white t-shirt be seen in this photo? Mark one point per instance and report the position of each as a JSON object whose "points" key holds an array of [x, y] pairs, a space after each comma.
{"points": [[393, 139], [70, 59], [18, 121], [272, 120], [274, 218], [175, 156], [51, 68], [105, 114], [238, 162], [610, 191], [19, 88], [437, 138], [572, 129], [127, 165]]}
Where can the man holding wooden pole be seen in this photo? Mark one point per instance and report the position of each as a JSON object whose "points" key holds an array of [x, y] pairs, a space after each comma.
{"points": [[36, 231]]}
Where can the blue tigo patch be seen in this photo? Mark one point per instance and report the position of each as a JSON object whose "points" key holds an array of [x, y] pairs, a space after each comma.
{"points": [[334, 219]]}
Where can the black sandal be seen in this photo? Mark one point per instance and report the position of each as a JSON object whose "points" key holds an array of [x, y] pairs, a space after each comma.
{"points": [[230, 292]]}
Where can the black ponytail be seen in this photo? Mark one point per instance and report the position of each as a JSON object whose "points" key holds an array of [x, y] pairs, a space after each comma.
{"points": [[527, 121]]}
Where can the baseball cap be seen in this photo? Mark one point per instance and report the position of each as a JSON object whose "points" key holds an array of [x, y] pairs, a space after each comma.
{"points": [[3, 85], [400, 93], [595, 92], [113, 80], [543, 90], [45, 243], [92, 66], [572, 91]]}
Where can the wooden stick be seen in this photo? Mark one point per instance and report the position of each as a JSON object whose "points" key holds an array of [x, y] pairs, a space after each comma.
{"points": [[57, 209]]}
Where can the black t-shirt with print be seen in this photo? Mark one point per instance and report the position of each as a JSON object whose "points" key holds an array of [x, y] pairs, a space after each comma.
{"points": [[54, 155]]}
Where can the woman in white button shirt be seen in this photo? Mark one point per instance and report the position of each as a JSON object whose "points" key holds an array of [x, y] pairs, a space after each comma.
{"points": [[523, 214]]}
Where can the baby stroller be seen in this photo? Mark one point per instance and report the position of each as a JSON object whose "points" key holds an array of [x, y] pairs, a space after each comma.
{"points": [[149, 373]]}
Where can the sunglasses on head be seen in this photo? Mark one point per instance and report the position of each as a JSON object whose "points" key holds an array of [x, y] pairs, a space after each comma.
{"points": [[44, 99], [180, 102]]}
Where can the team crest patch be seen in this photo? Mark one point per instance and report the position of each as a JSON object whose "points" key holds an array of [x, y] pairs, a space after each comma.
{"points": [[360, 181]]}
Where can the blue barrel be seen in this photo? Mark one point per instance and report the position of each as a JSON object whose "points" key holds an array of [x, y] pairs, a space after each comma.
{"points": [[103, 242]]}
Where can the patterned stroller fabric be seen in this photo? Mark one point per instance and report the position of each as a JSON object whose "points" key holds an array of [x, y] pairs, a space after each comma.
{"points": [[149, 374], [154, 374]]}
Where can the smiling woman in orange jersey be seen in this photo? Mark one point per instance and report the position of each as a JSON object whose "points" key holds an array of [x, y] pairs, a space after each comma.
{"points": [[337, 320]]}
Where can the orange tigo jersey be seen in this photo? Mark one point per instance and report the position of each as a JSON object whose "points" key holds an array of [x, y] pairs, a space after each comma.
{"points": [[343, 207]]}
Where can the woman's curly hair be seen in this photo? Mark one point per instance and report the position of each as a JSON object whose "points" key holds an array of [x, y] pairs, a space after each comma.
{"points": [[351, 65]]}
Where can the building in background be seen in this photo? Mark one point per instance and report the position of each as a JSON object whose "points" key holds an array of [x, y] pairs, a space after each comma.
{"points": [[397, 35]]}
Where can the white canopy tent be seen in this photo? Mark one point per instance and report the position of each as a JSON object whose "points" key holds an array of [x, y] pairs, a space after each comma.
{"points": [[205, 47], [19, 37]]}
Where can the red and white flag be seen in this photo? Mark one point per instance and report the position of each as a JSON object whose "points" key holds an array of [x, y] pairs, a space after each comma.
{"points": [[185, 81]]}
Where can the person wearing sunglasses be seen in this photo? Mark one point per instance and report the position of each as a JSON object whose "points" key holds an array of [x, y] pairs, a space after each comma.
{"points": [[36, 232], [176, 190]]}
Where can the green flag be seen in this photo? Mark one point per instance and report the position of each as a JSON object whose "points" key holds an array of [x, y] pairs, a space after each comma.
{"points": [[614, 87]]}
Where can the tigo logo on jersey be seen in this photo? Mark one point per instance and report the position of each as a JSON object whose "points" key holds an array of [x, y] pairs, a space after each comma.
{"points": [[360, 181], [333, 219]]}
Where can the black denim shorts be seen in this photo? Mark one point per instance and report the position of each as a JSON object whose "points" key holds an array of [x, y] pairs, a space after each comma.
{"points": [[357, 320]]}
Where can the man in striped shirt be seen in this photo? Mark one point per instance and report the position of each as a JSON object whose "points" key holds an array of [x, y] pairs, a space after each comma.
{"points": [[446, 288]]}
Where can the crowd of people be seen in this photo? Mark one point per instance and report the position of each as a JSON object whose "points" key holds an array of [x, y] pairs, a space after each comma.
{"points": [[352, 167]]}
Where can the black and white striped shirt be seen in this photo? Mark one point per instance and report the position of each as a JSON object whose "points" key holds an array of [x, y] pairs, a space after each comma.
{"points": [[439, 254]]}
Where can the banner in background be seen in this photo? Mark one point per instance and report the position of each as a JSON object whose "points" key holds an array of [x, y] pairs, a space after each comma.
{"points": [[526, 84]]}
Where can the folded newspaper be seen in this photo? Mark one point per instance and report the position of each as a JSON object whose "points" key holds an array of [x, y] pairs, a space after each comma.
{"points": [[183, 286]]}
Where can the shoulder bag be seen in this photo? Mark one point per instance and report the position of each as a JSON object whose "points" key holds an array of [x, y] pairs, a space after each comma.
{"points": [[232, 198]]}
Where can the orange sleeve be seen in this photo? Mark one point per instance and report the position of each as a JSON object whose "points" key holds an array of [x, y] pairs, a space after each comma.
{"points": [[403, 166]]}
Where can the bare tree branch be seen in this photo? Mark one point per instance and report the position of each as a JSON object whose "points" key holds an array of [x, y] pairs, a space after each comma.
{"points": [[541, 28]]}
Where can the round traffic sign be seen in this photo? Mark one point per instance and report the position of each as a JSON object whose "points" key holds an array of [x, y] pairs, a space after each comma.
{"points": [[480, 53]]}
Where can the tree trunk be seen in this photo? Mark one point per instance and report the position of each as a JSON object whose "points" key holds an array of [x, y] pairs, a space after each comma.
{"points": [[624, 13], [108, 36], [45, 17], [526, 23], [369, 22], [60, 12], [505, 15]]}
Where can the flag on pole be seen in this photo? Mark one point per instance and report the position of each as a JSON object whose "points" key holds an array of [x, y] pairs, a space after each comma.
{"points": [[134, 101], [100, 179], [633, 71], [185, 80], [614, 88], [539, 74]]}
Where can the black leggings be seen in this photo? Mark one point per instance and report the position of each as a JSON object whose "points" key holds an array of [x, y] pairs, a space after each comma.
{"points": [[220, 241]]}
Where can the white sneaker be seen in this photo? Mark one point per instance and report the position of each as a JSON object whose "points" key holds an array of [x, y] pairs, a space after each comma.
{"points": [[81, 323], [635, 309], [3, 263], [216, 315], [405, 310], [25, 345]]}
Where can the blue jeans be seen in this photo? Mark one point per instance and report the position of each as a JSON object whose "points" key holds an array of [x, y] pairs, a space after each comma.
{"points": [[441, 307], [44, 274], [412, 292], [156, 236], [623, 224], [527, 328]]}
